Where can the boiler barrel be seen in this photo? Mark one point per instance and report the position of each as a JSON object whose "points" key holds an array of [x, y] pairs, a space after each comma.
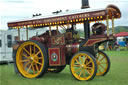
{"points": [[73, 48]]}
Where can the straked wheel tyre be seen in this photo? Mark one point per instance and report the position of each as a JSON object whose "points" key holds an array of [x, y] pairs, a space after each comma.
{"points": [[103, 63], [56, 69], [31, 59], [83, 66]]}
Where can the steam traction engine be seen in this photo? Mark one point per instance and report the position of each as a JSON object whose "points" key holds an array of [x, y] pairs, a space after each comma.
{"points": [[53, 50]]}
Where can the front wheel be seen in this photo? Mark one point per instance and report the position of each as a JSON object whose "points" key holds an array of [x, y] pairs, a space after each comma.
{"points": [[83, 66], [103, 63]]}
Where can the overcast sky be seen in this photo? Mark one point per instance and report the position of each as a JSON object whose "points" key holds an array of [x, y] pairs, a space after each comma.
{"points": [[11, 10]]}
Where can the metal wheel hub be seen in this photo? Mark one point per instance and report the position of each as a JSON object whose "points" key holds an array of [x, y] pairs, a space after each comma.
{"points": [[82, 66], [33, 58]]}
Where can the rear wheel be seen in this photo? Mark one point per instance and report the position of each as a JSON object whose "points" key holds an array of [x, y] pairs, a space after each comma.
{"points": [[83, 66], [31, 59], [103, 63]]}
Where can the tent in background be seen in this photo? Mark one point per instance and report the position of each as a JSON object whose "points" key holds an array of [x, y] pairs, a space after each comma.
{"points": [[121, 34]]}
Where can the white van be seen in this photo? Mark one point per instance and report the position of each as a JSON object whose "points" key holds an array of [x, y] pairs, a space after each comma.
{"points": [[7, 37]]}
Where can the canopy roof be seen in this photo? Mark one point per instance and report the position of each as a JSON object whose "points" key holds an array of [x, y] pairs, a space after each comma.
{"points": [[121, 34], [68, 18]]}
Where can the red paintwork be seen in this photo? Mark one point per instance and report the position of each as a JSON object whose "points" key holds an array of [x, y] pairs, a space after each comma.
{"points": [[58, 40], [64, 19], [66, 47], [75, 47], [63, 57], [49, 42], [71, 49], [91, 42], [60, 51], [98, 36], [57, 52]]}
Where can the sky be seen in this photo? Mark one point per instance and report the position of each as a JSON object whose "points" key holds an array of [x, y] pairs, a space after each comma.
{"points": [[11, 10]]}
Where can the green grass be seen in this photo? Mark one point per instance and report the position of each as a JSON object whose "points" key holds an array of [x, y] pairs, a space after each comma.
{"points": [[118, 74]]}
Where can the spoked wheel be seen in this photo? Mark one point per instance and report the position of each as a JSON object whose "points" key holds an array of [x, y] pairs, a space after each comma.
{"points": [[103, 63], [31, 59], [57, 69], [83, 66]]}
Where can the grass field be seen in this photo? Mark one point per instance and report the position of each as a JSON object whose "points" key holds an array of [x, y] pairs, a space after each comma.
{"points": [[118, 74]]}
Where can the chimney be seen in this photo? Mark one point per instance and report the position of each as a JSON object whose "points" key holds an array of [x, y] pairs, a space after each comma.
{"points": [[85, 4]]}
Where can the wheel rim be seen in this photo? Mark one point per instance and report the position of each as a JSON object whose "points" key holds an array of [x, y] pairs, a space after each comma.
{"points": [[102, 63], [82, 66], [29, 59]]}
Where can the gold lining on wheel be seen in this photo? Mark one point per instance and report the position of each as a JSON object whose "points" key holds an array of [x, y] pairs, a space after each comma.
{"points": [[82, 66], [29, 59], [102, 64]]}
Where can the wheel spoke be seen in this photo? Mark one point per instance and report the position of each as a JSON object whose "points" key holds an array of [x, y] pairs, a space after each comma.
{"points": [[103, 63], [24, 60], [40, 58], [99, 69], [26, 51], [88, 71], [89, 68], [33, 69], [76, 65], [98, 56], [26, 64], [102, 66], [88, 62], [80, 73], [84, 73], [29, 68], [77, 61], [37, 68], [38, 62], [85, 59], [38, 53], [81, 58], [25, 56], [102, 59], [77, 70]]}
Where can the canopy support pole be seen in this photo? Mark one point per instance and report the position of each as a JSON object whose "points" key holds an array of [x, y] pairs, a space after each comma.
{"points": [[112, 25], [87, 30], [68, 26], [50, 31], [57, 29], [107, 22], [18, 34], [27, 33]]}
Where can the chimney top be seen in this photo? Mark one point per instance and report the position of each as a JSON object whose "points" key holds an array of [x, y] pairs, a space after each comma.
{"points": [[85, 4]]}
